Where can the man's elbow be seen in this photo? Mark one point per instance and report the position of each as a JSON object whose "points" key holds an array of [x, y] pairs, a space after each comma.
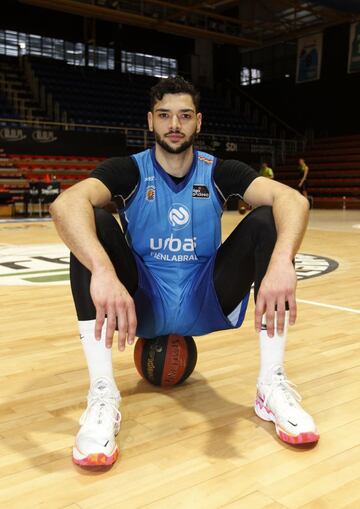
{"points": [[57, 206], [300, 200], [52, 208], [304, 200]]}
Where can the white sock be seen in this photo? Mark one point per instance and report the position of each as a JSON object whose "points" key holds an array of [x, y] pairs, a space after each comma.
{"points": [[98, 357], [271, 349]]}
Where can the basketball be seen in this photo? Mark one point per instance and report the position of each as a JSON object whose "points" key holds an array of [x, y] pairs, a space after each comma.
{"points": [[165, 360]]}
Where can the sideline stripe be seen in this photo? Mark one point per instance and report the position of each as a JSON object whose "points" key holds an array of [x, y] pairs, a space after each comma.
{"points": [[332, 306], [26, 220]]}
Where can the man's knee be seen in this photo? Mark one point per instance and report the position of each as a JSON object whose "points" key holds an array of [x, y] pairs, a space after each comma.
{"points": [[103, 217], [106, 224], [262, 220]]}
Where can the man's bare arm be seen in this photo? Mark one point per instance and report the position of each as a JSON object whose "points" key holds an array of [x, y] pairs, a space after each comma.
{"points": [[291, 212], [73, 216]]}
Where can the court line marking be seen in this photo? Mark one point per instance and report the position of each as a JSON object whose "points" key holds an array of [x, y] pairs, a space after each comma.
{"points": [[331, 306], [29, 273]]}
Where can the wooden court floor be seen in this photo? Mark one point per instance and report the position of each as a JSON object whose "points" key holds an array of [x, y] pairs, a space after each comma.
{"points": [[198, 445]]}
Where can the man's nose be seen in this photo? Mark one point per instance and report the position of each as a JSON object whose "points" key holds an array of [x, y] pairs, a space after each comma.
{"points": [[174, 122]]}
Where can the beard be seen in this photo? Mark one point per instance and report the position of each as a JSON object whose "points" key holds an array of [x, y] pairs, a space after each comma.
{"points": [[175, 150]]}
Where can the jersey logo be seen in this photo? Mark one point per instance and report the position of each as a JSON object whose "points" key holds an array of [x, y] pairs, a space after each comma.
{"points": [[205, 159], [150, 193], [200, 191], [179, 216]]}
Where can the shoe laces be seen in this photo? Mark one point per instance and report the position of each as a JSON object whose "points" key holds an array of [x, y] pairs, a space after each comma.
{"points": [[102, 407], [285, 386]]}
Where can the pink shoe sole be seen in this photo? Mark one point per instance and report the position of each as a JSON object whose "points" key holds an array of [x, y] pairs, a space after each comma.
{"points": [[302, 438], [97, 459]]}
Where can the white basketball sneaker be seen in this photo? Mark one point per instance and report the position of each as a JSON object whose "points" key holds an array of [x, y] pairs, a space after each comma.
{"points": [[95, 443], [278, 401]]}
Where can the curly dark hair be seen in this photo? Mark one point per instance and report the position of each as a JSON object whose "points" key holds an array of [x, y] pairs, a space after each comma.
{"points": [[173, 85]]}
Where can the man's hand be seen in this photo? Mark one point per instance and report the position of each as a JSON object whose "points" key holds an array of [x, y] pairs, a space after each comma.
{"points": [[278, 287], [291, 213], [111, 299]]}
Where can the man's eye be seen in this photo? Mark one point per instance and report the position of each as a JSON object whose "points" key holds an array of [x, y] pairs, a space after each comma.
{"points": [[163, 115]]}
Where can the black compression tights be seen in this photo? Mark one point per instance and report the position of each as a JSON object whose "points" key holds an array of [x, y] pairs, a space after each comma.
{"points": [[113, 241], [241, 260]]}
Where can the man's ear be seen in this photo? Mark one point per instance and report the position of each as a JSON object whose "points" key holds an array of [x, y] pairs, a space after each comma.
{"points": [[199, 120], [150, 121]]}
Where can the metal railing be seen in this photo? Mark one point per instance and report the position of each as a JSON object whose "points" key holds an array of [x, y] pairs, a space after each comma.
{"points": [[141, 138]]}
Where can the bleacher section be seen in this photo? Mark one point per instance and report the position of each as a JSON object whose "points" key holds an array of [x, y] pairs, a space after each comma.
{"points": [[333, 182], [16, 97], [67, 170], [90, 96], [6, 110], [334, 172], [219, 119], [19, 172], [95, 97]]}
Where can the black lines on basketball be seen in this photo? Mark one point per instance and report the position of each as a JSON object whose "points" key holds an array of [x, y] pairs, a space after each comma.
{"points": [[165, 360]]}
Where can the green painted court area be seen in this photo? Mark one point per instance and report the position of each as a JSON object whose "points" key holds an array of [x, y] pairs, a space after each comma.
{"points": [[31, 272], [49, 278]]}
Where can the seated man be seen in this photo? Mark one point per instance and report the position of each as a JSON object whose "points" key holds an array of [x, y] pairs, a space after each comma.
{"points": [[169, 272]]}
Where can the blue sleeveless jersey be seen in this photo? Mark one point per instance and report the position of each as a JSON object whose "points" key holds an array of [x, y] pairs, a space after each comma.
{"points": [[174, 231]]}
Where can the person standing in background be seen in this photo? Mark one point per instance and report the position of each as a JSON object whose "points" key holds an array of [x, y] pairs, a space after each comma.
{"points": [[304, 171], [266, 171]]}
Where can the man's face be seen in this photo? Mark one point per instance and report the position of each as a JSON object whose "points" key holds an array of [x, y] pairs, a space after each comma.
{"points": [[175, 122]]}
